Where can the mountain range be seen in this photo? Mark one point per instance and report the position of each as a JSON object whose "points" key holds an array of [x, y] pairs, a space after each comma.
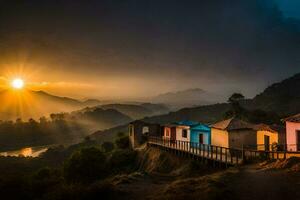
{"points": [[282, 99], [187, 98], [35, 104]]}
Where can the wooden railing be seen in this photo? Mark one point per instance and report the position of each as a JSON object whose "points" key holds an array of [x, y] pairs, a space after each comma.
{"points": [[269, 154], [227, 156]]}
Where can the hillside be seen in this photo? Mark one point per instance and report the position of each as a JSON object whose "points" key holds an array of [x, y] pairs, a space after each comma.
{"points": [[138, 111], [34, 104], [98, 118], [187, 98], [205, 114], [282, 97]]}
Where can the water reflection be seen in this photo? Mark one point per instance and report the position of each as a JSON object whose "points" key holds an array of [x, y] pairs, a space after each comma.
{"points": [[26, 152]]}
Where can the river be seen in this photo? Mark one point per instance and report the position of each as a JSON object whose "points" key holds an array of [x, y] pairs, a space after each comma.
{"points": [[26, 152]]}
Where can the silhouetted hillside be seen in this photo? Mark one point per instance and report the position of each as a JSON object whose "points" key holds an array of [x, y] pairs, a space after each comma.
{"points": [[134, 111], [278, 100], [187, 98], [34, 104], [98, 118], [282, 98], [205, 114]]}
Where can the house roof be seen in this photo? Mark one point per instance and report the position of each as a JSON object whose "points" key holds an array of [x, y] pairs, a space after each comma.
{"points": [[232, 124], [201, 127], [264, 127], [279, 128], [294, 118], [187, 123]]}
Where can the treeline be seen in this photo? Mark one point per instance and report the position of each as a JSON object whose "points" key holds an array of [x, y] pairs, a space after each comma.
{"points": [[82, 171], [59, 128], [56, 129]]}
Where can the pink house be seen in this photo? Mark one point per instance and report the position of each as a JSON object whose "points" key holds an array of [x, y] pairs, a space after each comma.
{"points": [[293, 132]]}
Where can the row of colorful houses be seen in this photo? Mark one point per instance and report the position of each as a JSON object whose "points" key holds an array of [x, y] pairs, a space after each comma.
{"points": [[229, 133]]}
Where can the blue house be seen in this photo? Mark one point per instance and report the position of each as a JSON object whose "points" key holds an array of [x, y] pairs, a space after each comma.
{"points": [[201, 134]]}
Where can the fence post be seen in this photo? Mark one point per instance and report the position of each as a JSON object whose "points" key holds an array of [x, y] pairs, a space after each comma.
{"points": [[243, 154], [226, 150], [237, 158], [208, 147], [221, 154]]}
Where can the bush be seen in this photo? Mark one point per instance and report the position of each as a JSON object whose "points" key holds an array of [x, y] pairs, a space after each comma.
{"points": [[123, 142], [123, 160], [108, 146], [85, 166]]}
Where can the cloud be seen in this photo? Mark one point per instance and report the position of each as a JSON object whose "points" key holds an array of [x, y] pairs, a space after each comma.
{"points": [[143, 46]]}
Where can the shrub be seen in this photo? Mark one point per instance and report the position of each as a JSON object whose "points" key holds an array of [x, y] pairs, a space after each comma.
{"points": [[123, 160], [85, 166], [108, 146]]}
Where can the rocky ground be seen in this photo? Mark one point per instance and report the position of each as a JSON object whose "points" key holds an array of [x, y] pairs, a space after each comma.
{"points": [[164, 176]]}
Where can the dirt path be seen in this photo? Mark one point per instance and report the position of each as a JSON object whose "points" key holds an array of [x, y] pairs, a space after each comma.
{"points": [[254, 183]]}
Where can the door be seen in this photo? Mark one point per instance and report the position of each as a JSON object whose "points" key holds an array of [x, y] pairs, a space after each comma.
{"points": [[173, 134], [201, 138], [267, 142], [298, 140]]}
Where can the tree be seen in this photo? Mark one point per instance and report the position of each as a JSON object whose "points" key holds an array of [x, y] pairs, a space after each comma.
{"points": [[108, 146], [236, 109], [85, 166], [235, 97]]}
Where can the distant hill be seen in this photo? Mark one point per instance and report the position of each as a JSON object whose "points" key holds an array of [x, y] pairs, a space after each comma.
{"points": [[282, 98], [134, 111], [187, 98], [138, 111], [99, 118], [34, 104]]}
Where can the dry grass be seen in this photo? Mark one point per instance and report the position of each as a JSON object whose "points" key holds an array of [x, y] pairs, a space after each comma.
{"points": [[207, 187], [290, 164]]}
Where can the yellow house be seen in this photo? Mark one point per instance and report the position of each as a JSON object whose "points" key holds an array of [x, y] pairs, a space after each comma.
{"points": [[266, 137], [236, 133], [233, 133]]}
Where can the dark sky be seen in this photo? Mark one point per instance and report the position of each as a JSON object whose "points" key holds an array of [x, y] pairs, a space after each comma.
{"points": [[134, 48]]}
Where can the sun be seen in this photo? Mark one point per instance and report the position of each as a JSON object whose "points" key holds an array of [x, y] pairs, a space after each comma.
{"points": [[17, 83]]}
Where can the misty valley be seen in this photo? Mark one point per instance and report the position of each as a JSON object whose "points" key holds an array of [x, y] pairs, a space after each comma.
{"points": [[149, 99]]}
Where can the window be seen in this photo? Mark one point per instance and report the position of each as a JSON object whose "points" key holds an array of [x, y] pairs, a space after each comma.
{"points": [[145, 130], [184, 133]]}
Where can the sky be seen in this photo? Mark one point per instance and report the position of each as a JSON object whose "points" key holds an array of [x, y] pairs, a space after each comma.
{"points": [[128, 49]]}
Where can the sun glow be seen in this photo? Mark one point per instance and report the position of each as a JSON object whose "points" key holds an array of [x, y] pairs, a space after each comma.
{"points": [[17, 83]]}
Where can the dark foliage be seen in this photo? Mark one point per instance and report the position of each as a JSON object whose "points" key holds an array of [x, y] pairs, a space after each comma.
{"points": [[84, 166], [108, 146], [235, 97], [78, 172], [35, 133], [123, 160], [122, 142]]}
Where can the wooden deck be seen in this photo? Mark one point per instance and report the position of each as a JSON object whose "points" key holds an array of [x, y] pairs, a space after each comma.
{"points": [[215, 154]]}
